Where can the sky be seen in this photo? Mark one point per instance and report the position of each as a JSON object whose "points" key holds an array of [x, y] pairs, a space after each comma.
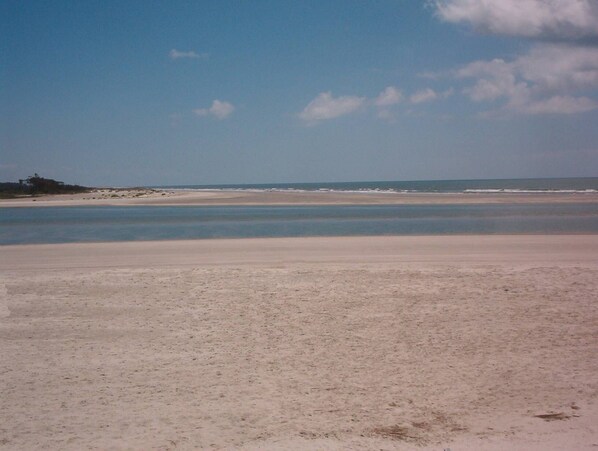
{"points": [[131, 93]]}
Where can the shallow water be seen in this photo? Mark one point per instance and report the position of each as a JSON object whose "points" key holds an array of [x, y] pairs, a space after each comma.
{"points": [[85, 224]]}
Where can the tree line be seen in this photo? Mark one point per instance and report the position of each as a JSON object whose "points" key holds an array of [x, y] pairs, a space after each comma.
{"points": [[36, 185]]}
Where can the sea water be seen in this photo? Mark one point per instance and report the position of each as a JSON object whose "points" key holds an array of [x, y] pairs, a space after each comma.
{"points": [[552, 185], [131, 223]]}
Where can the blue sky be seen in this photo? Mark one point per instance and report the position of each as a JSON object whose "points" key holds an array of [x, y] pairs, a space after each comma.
{"points": [[207, 92]]}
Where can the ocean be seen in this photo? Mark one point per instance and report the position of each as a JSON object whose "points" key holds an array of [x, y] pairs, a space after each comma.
{"points": [[553, 185], [135, 223]]}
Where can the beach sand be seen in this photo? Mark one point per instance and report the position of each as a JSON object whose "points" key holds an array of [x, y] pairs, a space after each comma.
{"points": [[460, 342], [165, 197]]}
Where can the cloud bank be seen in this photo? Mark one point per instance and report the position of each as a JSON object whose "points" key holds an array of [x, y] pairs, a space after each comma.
{"points": [[219, 110], [549, 19], [557, 75], [548, 79]]}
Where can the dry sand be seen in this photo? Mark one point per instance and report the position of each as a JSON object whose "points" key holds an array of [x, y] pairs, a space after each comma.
{"points": [[128, 197], [454, 342]]}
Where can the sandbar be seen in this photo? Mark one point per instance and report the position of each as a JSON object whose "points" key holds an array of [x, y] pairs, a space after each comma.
{"points": [[166, 197]]}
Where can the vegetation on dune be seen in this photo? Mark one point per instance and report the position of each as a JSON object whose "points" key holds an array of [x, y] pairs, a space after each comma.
{"points": [[36, 185]]}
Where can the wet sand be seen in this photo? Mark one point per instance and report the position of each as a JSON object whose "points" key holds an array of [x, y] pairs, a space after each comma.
{"points": [[467, 342]]}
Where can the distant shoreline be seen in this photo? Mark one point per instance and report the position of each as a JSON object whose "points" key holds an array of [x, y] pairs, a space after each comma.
{"points": [[177, 197]]}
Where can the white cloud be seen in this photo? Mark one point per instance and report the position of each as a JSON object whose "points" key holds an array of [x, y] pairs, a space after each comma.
{"points": [[494, 79], [425, 95], [560, 66], [219, 109], [390, 96], [324, 106], [552, 19], [548, 79], [176, 54]]}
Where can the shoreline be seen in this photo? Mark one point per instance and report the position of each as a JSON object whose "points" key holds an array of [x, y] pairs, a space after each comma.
{"points": [[441, 249], [241, 239], [165, 197], [477, 342]]}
